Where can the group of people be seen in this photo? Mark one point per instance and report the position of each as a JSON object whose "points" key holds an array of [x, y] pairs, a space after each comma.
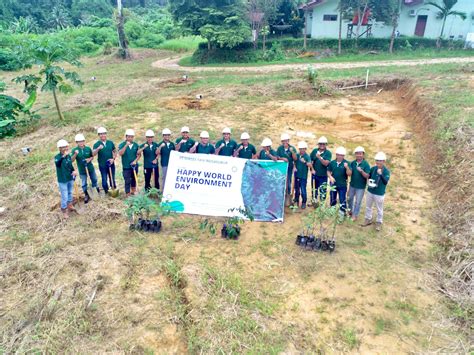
{"points": [[324, 170]]}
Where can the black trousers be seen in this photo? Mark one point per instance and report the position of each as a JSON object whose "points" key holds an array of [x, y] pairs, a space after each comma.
{"points": [[156, 177], [129, 179]]}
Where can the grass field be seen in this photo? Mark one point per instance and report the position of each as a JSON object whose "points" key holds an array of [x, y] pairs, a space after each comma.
{"points": [[186, 290]]}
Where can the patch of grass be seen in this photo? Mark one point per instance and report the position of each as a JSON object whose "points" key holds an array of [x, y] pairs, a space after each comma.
{"points": [[382, 325], [182, 44], [349, 338]]}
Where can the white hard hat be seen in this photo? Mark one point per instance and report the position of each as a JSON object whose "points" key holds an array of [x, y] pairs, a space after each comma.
{"points": [[322, 140], [130, 132], [302, 145], [184, 129], [359, 149], [226, 130], [166, 131], [79, 138], [267, 142], [101, 130], [149, 133], [245, 135], [380, 156], [204, 134], [62, 143], [285, 137], [341, 151]]}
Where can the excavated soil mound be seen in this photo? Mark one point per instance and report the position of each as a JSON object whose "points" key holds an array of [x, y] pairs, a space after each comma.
{"points": [[183, 103]]}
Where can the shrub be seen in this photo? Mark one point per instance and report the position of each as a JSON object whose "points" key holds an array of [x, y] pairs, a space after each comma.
{"points": [[149, 40]]}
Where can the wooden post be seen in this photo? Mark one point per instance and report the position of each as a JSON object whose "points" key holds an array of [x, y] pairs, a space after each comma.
{"points": [[304, 29], [367, 79]]}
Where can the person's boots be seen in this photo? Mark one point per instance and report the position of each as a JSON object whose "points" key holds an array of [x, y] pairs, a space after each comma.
{"points": [[134, 190], [98, 190], [378, 226], [71, 208], [65, 213], [86, 197], [366, 223]]}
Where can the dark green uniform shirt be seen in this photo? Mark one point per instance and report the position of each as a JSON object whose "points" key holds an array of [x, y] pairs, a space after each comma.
{"points": [[149, 154], [380, 180], [338, 172], [229, 148], [321, 170], [246, 152], [64, 167], [264, 156], [165, 152], [83, 154], [129, 155], [205, 149], [302, 167], [286, 153], [186, 146], [105, 153], [357, 180]]}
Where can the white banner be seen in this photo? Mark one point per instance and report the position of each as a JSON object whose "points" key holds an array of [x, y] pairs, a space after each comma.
{"points": [[211, 185]]}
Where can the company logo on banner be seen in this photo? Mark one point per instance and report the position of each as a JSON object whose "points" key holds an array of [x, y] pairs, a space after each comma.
{"points": [[211, 185]]}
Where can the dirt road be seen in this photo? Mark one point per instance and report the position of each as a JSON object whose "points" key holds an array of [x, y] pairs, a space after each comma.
{"points": [[172, 64]]}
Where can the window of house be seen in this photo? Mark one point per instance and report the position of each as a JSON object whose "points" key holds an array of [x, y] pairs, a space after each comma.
{"points": [[330, 18]]}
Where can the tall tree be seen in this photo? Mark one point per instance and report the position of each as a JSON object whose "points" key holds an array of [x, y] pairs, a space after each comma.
{"points": [[388, 12], [124, 52], [445, 10], [344, 7], [221, 22], [47, 54]]}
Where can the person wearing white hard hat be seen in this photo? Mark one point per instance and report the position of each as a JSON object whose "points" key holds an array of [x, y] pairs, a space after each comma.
{"points": [[338, 172], [184, 143], [267, 153], [245, 150], [150, 160], [65, 174], [128, 150], [164, 149], [360, 172], [106, 155], [302, 165], [321, 157], [287, 152], [82, 154], [378, 179], [226, 146], [204, 147]]}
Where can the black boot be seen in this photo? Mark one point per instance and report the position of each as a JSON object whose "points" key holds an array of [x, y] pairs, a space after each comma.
{"points": [[98, 190], [86, 197]]}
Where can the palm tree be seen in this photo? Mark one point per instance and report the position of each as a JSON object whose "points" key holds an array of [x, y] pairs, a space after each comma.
{"points": [[445, 10]]}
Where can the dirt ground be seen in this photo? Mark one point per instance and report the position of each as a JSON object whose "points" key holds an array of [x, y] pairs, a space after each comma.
{"points": [[89, 285], [171, 63]]}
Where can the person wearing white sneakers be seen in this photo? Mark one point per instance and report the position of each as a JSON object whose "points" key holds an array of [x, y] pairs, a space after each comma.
{"points": [[226, 146], [128, 150], [204, 147], [360, 172], [245, 150], [184, 143], [65, 174], [378, 179], [321, 157], [150, 160], [164, 149], [302, 164], [338, 172], [267, 153], [82, 154], [106, 154]]}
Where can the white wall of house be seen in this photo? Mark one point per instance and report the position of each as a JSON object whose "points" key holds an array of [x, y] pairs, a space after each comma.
{"points": [[324, 22]]}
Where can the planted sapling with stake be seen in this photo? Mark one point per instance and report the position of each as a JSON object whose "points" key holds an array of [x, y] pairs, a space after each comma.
{"points": [[144, 210], [231, 228]]}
